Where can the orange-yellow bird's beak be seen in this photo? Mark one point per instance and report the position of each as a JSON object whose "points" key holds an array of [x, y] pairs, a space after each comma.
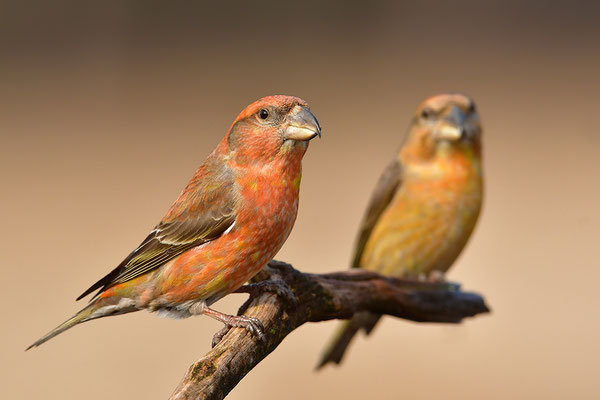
{"points": [[449, 131], [303, 125], [452, 127]]}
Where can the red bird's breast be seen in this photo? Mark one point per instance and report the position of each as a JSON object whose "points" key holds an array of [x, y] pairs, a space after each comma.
{"points": [[268, 206]]}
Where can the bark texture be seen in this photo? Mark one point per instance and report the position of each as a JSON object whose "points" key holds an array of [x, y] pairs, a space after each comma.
{"points": [[317, 297]]}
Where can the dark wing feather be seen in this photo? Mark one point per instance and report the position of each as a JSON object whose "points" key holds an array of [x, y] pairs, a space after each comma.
{"points": [[203, 212], [386, 188]]}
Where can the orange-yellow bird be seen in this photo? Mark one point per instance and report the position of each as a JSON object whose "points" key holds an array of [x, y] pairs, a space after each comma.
{"points": [[230, 220], [425, 205]]}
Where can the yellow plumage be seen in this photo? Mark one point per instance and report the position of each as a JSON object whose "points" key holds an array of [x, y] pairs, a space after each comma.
{"points": [[426, 203]]}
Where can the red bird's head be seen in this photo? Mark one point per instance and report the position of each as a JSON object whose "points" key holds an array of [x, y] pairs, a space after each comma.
{"points": [[444, 124], [272, 127]]}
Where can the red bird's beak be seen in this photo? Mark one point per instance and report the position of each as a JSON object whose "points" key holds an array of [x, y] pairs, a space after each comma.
{"points": [[303, 125]]}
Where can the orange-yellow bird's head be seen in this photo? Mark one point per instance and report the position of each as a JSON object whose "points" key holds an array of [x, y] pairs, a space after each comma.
{"points": [[272, 127], [443, 124]]}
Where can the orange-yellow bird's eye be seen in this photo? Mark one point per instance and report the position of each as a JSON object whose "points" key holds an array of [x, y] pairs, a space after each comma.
{"points": [[263, 113], [426, 113], [471, 108]]}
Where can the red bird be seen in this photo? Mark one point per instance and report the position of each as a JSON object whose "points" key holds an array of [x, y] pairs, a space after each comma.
{"points": [[230, 220]]}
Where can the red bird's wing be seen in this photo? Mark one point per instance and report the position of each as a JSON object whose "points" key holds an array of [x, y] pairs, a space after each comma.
{"points": [[384, 192], [203, 212]]}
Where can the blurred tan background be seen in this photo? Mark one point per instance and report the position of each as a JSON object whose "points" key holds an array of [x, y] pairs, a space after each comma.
{"points": [[106, 111]]}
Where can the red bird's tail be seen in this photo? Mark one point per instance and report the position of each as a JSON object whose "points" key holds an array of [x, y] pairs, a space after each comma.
{"points": [[97, 309]]}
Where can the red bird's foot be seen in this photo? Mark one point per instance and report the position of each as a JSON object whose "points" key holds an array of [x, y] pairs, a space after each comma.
{"points": [[251, 324], [217, 337], [279, 287]]}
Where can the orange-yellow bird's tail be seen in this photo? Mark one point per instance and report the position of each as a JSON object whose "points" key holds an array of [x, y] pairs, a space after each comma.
{"points": [[96, 309], [340, 342]]}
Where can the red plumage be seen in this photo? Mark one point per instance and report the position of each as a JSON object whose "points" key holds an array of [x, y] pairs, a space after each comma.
{"points": [[229, 221]]}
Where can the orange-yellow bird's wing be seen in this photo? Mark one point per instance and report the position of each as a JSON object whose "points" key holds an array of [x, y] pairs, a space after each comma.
{"points": [[384, 192], [203, 212]]}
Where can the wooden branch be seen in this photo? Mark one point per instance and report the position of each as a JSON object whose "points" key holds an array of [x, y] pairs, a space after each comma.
{"points": [[320, 297]]}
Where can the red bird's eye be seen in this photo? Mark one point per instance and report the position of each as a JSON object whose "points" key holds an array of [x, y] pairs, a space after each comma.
{"points": [[263, 114]]}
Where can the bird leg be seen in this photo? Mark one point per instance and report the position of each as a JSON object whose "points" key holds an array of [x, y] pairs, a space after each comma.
{"points": [[272, 283], [251, 324], [279, 287]]}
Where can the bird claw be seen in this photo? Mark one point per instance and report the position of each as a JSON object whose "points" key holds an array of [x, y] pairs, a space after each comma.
{"points": [[436, 276], [217, 337], [279, 287], [251, 324]]}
